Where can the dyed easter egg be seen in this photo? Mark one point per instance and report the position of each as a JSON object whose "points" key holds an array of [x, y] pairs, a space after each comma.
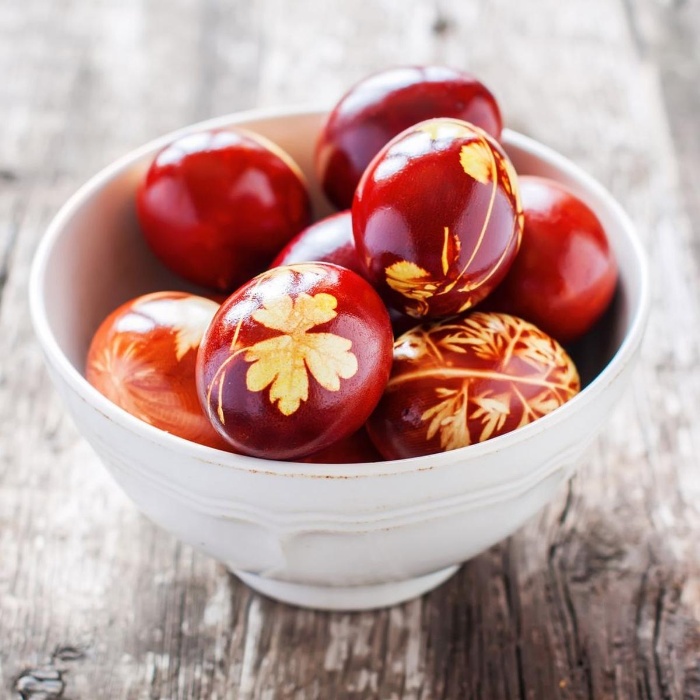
{"points": [[143, 358], [327, 240], [217, 206], [468, 379], [381, 106], [437, 219], [355, 448], [565, 273], [295, 360]]}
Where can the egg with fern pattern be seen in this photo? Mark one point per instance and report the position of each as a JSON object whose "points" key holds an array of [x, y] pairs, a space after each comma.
{"points": [[143, 357], [464, 380]]}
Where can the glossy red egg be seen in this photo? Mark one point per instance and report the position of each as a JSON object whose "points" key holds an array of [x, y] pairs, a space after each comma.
{"points": [[465, 380], [381, 106], [143, 359], [217, 206], [355, 448], [327, 240], [295, 360], [565, 274], [437, 218]]}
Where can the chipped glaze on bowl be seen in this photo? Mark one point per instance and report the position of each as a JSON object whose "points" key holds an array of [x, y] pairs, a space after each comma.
{"points": [[345, 536]]}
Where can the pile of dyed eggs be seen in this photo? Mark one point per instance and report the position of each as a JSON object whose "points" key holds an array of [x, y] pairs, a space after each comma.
{"points": [[428, 314]]}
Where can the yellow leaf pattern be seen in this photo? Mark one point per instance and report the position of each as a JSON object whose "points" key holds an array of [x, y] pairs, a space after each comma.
{"points": [[404, 273], [194, 320], [482, 160], [449, 418], [492, 411], [418, 285], [283, 362], [510, 184], [413, 282], [477, 160], [494, 372], [188, 316], [484, 163]]}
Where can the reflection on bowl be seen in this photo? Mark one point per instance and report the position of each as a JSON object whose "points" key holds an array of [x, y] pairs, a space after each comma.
{"points": [[350, 536]]}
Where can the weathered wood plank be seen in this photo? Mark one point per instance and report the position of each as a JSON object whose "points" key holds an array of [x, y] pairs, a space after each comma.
{"points": [[598, 597], [71, 546]]}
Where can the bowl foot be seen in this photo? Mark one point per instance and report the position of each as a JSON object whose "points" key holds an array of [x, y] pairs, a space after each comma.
{"points": [[380, 595]]}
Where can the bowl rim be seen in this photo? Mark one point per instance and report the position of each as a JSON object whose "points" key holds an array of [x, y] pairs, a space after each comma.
{"points": [[228, 460]]}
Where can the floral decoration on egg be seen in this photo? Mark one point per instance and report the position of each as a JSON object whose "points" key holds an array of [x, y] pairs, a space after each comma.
{"points": [[143, 358], [295, 360], [468, 379], [381, 106], [437, 218], [284, 362]]}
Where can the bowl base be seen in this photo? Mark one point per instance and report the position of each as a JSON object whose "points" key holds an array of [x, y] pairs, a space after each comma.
{"points": [[346, 598]]}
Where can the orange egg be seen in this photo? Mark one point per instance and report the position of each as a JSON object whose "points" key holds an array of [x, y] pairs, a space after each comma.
{"points": [[142, 358]]}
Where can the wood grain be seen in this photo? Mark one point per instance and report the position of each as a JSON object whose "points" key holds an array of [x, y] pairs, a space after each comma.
{"points": [[597, 597]]}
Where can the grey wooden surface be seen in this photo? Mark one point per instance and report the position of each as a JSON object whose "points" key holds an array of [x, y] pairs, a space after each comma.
{"points": [[597, 597]]}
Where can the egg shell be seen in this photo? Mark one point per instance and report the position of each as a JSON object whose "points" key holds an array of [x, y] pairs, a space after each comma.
{"points": [[143, 358], [217, 206], [327, 240], [353, 449], [381, 106], [295, 360], [437, 219], [464, 380], [565, 273]]}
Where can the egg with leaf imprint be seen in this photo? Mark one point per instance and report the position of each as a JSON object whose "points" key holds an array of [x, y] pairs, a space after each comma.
{"points": [[143, 358], [467, 379], [437, 218], [295, 360], [381, 106]]}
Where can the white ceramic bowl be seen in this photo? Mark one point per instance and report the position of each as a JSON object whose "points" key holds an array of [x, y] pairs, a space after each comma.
{"points": [[342, 537]]}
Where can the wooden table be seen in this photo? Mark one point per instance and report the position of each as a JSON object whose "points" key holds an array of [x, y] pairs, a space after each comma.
{"points": [[597, 597]]}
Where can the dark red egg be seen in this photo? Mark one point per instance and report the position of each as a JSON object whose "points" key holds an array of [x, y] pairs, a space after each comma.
{"points": [[355, 448], [143, 359], [468, 379], [565, 273], [381, 106], [295, 360], [400, 322], [217, 206], [327, 240], [437, 218]]}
